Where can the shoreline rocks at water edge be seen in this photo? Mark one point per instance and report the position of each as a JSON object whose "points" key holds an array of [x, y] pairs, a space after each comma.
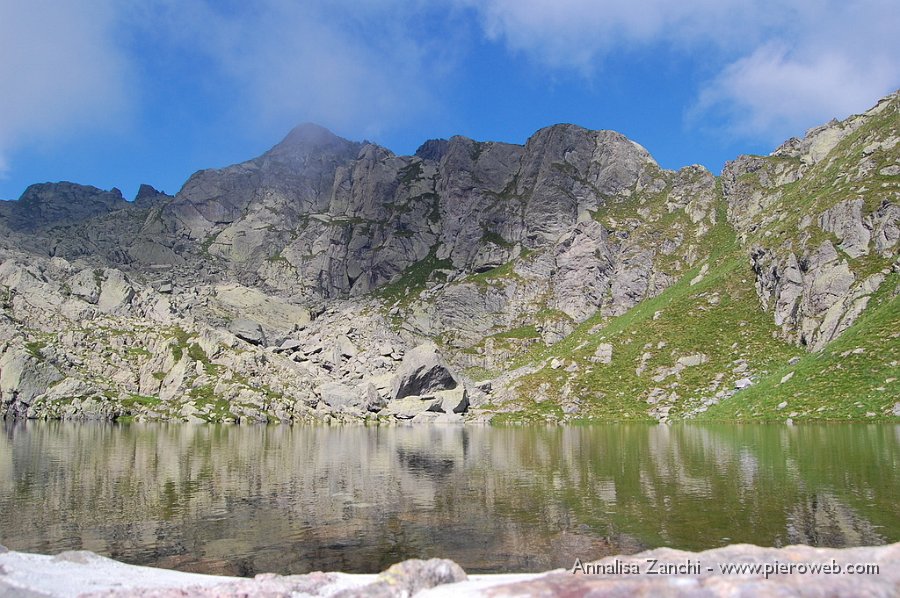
{"points": [[662, 571]]}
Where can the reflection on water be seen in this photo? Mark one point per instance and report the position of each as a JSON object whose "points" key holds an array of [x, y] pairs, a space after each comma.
{"points": [[243, 500]]}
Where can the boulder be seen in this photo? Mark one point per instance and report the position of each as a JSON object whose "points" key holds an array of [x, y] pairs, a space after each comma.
{"points": [[290, 345], [411, 406], [247, 330], [116, 293], [85, 285], [345, 347], [277, 317], [743, 383], [453, 401], [692, 360], [603, 354], [337, 395], [373, 399], [24, 377], [409, 578], [422, 372]]}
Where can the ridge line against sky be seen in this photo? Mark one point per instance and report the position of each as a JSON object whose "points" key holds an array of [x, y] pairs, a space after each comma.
{"points": [[114, 93]]}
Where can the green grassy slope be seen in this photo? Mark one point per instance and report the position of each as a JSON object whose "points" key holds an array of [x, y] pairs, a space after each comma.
{"points": [[857, 376], [716, 321]]}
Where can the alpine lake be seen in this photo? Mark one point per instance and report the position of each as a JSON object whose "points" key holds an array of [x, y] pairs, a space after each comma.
{"points": [[242, 500]]}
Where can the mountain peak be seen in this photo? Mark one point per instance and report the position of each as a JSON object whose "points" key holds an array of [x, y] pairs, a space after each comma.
{"points": [[308, 133], [308, 138]]}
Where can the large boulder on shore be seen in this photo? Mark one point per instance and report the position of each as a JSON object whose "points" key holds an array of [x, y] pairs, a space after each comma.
{"points": [[423, 372], [248, 330]]}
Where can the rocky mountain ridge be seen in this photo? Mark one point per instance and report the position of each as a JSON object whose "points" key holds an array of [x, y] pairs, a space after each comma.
{"points": [[328, 278]]}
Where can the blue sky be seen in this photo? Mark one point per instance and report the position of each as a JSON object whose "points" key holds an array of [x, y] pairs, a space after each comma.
{"points": [[115, 93]]}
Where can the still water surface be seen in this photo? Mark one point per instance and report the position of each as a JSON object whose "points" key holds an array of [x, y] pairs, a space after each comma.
{"points": [[244, 500]]}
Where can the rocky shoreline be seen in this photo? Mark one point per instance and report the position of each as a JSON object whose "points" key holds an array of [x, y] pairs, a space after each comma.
{"points": [[789, 571]]}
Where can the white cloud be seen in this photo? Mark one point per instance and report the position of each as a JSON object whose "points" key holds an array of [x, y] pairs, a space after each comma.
{"points": [[782, 65], [357, 66], [840, 60], [360, 66], [580, 33], [774, 93], [59, 71]]}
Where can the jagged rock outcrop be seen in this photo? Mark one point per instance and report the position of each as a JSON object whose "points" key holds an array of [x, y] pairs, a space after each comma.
{"points": [[45, 205], [815, 287]]}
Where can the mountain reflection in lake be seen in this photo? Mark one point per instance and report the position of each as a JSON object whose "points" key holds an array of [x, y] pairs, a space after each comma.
{"points": [[243, 500]]}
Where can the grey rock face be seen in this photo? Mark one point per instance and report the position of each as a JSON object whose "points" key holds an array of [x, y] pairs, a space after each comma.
{"points": [[694, 191], [584, 267], [885, 226], [749, 197], [818, 141], [567, 169], [631, 280], [327, 218], [147, 197], [815, 298], [845, 221], [814, 289], [75, 221]]}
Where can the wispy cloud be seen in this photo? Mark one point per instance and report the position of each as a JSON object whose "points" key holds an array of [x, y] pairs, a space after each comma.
{"points": [[360, 66], [783, 66], [840, 58], [775, 91], [579, 34], [59, 71]]}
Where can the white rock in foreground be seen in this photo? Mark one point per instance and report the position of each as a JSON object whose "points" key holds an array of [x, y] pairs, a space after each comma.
{"points": [[86, 574]]}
